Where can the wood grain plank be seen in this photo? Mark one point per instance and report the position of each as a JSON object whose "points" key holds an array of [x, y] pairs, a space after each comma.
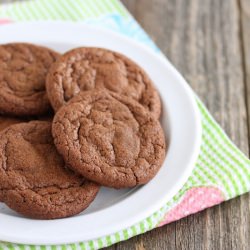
{"points": [[245, 36]]}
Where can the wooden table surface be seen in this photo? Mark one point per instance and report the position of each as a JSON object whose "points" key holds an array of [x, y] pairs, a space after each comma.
{"points": [[209, 42]]}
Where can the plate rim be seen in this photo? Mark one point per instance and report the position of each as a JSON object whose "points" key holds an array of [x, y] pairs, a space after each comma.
{"points": [[154, 207]]}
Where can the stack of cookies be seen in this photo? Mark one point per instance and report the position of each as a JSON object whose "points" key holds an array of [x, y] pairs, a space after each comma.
{"points": [[71, 123]]}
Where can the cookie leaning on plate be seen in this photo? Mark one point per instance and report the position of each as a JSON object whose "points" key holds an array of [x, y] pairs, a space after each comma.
{"points": [[22, 78], [109, 139], [34, 180], [6, 121], [84, 69]]}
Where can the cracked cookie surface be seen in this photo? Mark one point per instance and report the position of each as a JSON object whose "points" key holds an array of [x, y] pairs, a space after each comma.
{"points": [[110, 139], [22, 78], [84, 69], [34, 180], [6, 121]]}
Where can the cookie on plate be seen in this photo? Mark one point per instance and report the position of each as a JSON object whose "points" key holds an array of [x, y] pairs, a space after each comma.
{"points": [[109, 139], [90, 68], [6, 121], [34, 180], [23, 69]]}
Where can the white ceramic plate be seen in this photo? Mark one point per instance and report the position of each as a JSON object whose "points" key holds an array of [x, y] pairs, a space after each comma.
{"points": [[113, 210]]}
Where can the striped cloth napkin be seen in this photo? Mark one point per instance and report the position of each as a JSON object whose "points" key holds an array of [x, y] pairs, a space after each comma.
{"points": [[221, 171]]}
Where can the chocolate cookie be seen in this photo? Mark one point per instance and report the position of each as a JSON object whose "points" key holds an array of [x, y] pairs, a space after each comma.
{"points": [[6, 121], [23, 69], [34, 180], [110, 139], [88, 68]]}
